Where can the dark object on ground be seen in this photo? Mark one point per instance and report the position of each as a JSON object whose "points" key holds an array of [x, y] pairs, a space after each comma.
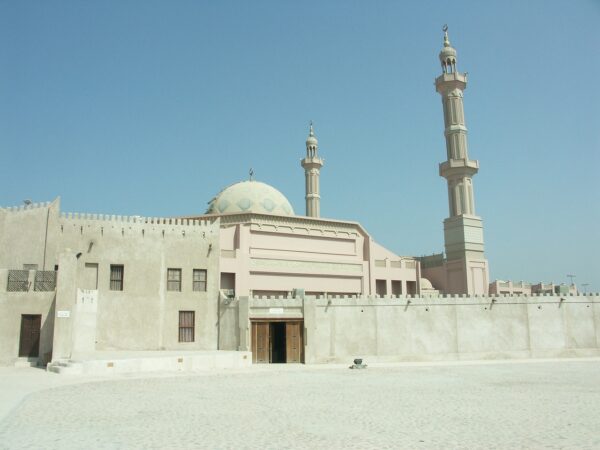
{"points": [[358, 364]]}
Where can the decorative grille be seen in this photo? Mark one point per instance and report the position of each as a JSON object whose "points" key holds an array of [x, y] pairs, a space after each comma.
{"points": [[45, 280], [18, 281]]}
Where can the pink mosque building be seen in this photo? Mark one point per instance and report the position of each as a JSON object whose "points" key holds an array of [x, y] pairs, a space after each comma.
{"points": [[268, 250]]}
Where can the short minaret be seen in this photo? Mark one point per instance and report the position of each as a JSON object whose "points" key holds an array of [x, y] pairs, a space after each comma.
{"points": [[463, 230], [312, 168]]}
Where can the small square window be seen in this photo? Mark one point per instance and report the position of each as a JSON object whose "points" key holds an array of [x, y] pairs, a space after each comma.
{"points": [[174, 280], [187, 321], [199, 280], [117, 272]]}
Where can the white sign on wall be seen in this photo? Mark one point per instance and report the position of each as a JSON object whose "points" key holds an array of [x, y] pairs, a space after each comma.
{"points": [[65, 314], [275, 310]]}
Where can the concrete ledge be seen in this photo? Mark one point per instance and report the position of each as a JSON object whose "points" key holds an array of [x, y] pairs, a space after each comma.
{"points": [[107, 363]]}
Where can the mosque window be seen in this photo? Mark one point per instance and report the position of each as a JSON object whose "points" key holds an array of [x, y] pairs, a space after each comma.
{"points": [[174, 280], [380, 287], [199, 280], [187, 321], [116, 277]]}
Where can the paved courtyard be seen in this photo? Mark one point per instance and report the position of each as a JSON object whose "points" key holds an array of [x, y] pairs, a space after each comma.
{"points": [[552, 404]]}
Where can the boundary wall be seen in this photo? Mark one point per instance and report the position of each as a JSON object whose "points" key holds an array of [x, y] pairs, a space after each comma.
{"points": [[452, 327]]}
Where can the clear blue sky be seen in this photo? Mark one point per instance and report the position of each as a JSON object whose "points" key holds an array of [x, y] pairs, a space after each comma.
{"points": [[151, 107]]}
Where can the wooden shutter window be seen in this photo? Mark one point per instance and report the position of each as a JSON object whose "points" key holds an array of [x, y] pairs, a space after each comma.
{"points": [[116, 277], [199, 280], [173, 279], [186, 326]]}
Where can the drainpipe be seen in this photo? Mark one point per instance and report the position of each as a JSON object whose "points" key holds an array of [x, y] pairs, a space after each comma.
{"points": [[46, 238]]}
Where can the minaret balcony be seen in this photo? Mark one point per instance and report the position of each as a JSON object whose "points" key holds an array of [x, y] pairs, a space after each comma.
{"points": [[312, 163], [448, 81], [459, 167]]}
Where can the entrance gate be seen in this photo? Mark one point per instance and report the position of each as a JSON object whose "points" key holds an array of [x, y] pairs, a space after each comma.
{"points": [[277, 341], [29, 343]]}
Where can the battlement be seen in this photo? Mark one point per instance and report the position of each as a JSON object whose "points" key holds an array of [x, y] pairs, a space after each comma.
{"points": [[449, 298], [29, 207], [137, 220]]}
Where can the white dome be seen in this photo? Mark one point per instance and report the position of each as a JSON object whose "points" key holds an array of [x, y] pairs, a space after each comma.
{"points": [[426, 284], [250, 196]]}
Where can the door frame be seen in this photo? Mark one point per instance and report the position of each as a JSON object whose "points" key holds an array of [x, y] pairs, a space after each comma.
{"points": [[34, 351], [272, 320]]}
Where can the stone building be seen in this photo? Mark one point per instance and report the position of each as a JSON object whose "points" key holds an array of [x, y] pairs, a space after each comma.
{"points": [[250, 274]]}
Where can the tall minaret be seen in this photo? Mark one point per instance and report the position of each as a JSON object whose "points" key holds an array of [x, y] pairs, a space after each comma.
{"points": [[463, 230], [312, 167]]}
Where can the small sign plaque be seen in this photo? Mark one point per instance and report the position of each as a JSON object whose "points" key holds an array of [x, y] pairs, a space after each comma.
{"points": [[275, 310], [63, 313]]}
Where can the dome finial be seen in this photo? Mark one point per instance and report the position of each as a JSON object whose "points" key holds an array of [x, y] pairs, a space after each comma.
{"points": [[311, 142], [448, 54], [251, 174], [446, 40]]}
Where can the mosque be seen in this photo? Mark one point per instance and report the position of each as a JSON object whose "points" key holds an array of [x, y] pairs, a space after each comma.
{"points": [[252, 275]]}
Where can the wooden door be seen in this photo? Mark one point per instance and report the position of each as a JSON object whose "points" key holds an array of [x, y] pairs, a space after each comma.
{"points": [[260, 342], [293, 342], [29, 344]]}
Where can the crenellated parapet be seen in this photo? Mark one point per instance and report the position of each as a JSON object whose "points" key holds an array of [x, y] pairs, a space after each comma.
{"points": [[26, 207], [86, 223], [441, 299], [138, 219]]}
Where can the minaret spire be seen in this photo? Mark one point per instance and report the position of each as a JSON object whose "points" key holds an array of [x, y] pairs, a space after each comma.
{"points": [[463, 230], [312, 169], [446, 40]]}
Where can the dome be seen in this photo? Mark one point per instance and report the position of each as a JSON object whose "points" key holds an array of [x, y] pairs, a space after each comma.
{"points": [[250, 196], [448, 52], [426, 284], [312, 139]]}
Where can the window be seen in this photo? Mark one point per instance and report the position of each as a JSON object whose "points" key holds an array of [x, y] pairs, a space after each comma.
{"points": [[199, 280], [116, 277], [380, 287], [30, 267], [45, 280], [186, 326], [174, 280], [18, 281]]}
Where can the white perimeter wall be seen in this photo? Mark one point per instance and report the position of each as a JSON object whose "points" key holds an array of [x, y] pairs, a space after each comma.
{"points": [[440, 328]]}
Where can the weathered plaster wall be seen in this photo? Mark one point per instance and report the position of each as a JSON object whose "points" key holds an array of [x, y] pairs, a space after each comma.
{"points": [[28, 235], [145, 315], [453, 328], [12, 306]]}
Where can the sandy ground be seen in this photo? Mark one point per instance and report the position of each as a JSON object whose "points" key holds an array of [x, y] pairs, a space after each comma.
{"points": [[551, 404]]}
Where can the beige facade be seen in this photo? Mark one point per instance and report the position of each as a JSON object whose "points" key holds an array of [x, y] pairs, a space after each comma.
{"points": [[112, 289]]}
